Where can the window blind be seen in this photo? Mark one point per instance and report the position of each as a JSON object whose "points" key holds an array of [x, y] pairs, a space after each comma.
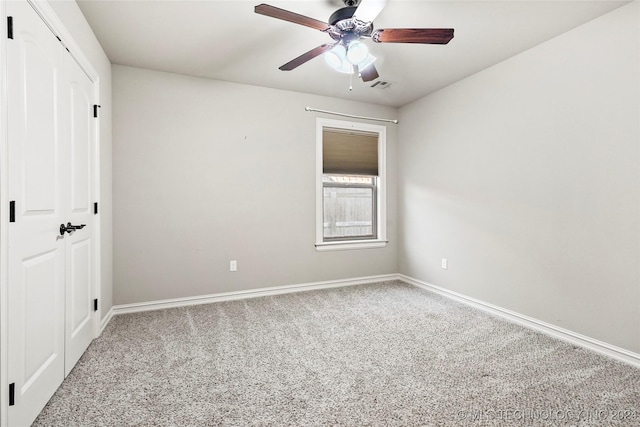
{"points": [[349, 152]]}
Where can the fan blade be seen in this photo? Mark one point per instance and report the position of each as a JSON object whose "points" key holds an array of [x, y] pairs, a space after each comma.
{"points": [[368, 10], [413, 35], [369, 73], [307, 57], [285, 15]]}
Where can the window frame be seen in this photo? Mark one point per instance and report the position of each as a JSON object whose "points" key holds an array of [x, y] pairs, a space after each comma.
{"points": [[380, 240]]}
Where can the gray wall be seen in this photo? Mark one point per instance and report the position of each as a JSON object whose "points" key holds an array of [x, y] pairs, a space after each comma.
{"points": [[207, 171], [75, 22], [525, 177]]}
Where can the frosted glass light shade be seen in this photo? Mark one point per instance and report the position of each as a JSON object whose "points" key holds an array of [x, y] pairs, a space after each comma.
{"points": [[370, 59], [357, 52], [335, 56], [337, 59]]}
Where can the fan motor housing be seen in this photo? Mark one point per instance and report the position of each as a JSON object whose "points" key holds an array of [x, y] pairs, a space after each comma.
{"points": [[342, 14]]}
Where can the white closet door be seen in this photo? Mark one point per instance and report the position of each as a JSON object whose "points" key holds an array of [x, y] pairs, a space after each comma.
{"points": [[36, 249], [79, 244]]}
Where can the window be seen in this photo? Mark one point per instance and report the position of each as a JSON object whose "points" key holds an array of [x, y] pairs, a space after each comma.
{"points": [[349, 207], [350, 173]]}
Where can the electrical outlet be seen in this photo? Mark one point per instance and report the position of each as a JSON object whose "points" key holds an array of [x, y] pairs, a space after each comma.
{"points": [[444, 264], [233, 265]]}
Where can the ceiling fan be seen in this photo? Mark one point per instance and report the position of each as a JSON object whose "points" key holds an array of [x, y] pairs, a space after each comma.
{"points": [[346, 27]]}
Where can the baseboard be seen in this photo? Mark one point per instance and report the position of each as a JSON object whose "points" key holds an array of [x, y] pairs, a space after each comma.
{"points": [[531, 323], [253, 293], [105, 320]]}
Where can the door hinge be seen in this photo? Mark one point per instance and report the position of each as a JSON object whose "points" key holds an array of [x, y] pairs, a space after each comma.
{"points": [[10, 27], [95, 110], [12, 211], [95, 208], [12, 394], [95, 304]]}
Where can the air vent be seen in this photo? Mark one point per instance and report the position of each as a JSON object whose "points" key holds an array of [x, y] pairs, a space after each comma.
{"points": [[381, 84]]}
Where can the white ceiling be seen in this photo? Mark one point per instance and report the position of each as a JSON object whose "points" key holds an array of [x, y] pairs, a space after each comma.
{"points": [[226, 40]]}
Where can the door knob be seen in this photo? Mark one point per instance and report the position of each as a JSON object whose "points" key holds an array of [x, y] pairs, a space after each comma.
{"points": [[69, 228]]}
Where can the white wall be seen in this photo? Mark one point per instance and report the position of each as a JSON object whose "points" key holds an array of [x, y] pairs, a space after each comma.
{"points": [[75, 22], [526, 177], [207, 171]]}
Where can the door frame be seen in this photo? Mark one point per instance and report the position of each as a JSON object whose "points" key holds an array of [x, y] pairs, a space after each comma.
{"points": [[44, 10]]}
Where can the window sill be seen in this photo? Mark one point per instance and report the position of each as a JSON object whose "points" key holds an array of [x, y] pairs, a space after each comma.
{"points": [[350, 245]]}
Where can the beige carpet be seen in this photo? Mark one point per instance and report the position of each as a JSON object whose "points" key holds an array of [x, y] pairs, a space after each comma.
{"points": [[386, 354]]}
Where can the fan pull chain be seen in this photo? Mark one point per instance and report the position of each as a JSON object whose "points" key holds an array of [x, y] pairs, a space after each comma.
{"points": [[350, 82]]}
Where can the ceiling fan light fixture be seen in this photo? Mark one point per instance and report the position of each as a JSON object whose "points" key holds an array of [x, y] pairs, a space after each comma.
{"points": [[357, 52], [337, 59], [345, 68], [336, 56], [369, 60]]}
